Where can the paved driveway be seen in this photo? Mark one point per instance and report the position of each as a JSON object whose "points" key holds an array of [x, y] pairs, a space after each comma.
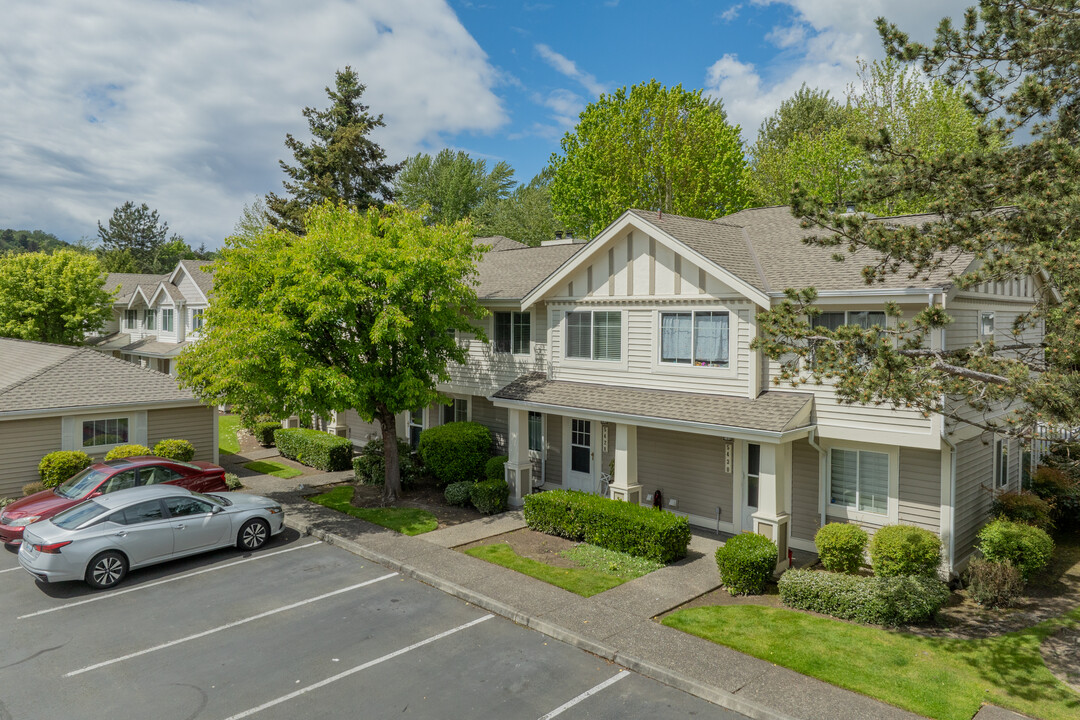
{"points": [[297, 630]]}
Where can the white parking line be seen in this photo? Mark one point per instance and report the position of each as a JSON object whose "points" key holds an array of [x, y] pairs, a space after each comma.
{"points": [[11, 569], [592, 691], [107, 596], [227, 626], [358, 668]]}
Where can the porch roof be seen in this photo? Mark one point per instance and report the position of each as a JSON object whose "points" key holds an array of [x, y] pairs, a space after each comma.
{"points": [[770, 412], [151, 346]]}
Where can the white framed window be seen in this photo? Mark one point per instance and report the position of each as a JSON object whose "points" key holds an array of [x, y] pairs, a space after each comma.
{"points": [[986, 324], [105, 431], [513, 330], [536, 431], [700, 339], [457, 411], [860, 480], [416, 426], [166, 320], [594, 335], [753, 475], [196, 319], [131, 319], [149, 319], [1001, 462], [862, 318]]}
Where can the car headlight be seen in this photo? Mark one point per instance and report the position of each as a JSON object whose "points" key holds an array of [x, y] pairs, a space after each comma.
{"points": [[274, 510], [23, 521]]}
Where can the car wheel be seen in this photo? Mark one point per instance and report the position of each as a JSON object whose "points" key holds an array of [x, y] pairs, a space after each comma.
{"points": [[106, 570], [253, 535]]}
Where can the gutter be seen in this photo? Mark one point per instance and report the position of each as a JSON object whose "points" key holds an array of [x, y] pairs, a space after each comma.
{"points": [[83, 409], [876, 292]]}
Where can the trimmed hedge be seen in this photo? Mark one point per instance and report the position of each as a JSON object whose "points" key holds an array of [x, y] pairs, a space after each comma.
{"points": [[840, 547], [264, 432], [993, 584], [877, 600], [746, 563], [455, 452], [899, 550], [314, 448], [489, 496], [370, 464], [495, 468], [56, 467], [612, 524], [458, 493], [1025, 507], [125, 451], [1026, 547], [180, 450]]}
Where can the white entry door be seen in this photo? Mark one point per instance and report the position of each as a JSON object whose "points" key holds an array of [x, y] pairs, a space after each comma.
{"points": [[750, 486], [579, 475]]}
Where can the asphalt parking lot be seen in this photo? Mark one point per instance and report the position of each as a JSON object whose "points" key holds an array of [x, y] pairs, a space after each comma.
{"points": [[296, 630]]}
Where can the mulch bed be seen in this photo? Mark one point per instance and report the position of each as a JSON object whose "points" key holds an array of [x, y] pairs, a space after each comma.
{"points": [[427, 496]]}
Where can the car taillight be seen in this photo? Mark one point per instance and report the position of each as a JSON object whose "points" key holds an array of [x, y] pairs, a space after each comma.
{"points": [[52, 548]]}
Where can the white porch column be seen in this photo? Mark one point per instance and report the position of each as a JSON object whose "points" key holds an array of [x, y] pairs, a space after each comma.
{"points": [[772, 517], [337, 425], [624, 482], [518, 466]]}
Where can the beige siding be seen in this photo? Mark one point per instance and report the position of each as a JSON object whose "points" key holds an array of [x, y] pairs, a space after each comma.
{"points": [[553, 439], [494, 419], [974, 492], [687, 467], [360, 431], [920, 488], [22, 445], [805, 516], [194, 424]]}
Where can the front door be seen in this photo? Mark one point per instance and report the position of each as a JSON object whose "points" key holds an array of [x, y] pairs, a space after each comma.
{"points": [[750, 486], [580, 473]]}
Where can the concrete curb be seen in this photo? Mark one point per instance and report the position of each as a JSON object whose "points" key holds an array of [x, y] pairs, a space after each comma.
{"points": [[716, 696]]}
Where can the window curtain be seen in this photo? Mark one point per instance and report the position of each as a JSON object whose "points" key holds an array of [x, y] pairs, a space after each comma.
{"points": [[675, 337], [711, 339]]}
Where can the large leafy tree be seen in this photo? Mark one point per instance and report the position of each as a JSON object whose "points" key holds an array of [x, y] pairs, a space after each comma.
{"points": [[525, 215], [341, 164], [30, 241], [56, 298], [355, 313], [133, 238], [1003, 211], [650, 147], [451, 185]]}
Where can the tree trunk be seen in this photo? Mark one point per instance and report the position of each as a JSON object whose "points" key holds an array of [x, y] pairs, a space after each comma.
{"points": [[392, 485]]}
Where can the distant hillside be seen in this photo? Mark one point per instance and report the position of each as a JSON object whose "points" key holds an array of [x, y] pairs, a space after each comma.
{"points": [[29, 241]]}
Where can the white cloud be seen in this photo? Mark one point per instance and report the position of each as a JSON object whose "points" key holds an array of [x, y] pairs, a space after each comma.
{"points": [[820, 42], [731, 13], [186, 106], [569, 68]]}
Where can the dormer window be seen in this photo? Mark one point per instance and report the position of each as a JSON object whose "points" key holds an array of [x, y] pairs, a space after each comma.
{"points": [[131, 319], [149, 319], [166, 320]]}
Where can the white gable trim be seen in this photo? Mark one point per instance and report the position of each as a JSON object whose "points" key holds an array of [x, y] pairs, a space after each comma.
{"points": [[172, 279], [131, 300], [626, 220], [161, 289]]}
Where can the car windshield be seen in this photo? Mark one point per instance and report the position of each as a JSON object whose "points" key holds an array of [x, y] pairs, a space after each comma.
{"points": [[79, 515], [218, 499], [79, 485]]}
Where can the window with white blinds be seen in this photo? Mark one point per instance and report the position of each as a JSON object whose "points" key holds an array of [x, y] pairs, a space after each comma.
{"points": [[859, 479], [594, 335]]}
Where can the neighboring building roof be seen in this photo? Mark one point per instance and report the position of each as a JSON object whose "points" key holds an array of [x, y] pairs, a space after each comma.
{"points": [[510, 274], [769, 412], [499, 243], [764, 247], [128, 283], [112, 341], [151, 346], [42, 376], [203, 279]]}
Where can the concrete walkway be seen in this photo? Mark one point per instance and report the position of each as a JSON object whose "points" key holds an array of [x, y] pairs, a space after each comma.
{"points": [[616, 624]]}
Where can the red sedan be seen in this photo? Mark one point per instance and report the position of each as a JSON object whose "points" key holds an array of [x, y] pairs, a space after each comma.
{"points": [[106, 477]]}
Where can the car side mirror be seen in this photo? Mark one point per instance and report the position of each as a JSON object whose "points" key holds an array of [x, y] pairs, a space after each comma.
{"points": [[216, 510], [96, 493]]}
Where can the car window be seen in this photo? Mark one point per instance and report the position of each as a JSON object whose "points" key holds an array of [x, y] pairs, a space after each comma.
{"points": [[143, 512], [184, 506], [157, 474], [119, 481], [76, 516], [79, 485]]}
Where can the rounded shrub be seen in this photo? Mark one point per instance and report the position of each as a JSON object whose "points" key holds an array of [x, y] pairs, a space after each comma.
{"points": [[232, 481], [264, 432], [494, 469], [56, 467], [370, 464], [1026, 547], [840, 546], [993, 584], [458, 493], [33, 487], [125, 451], [746, 563], [455, 452], [489, 496], [1025, 507], [180, 450], [898, 550]]}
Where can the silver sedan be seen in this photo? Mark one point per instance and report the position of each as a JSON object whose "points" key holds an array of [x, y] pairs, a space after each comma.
{"points": [[101, 539]]}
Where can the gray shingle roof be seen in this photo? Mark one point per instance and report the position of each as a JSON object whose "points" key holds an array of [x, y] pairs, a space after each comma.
{"points": [[769, 411], [511, 274], [150, 345], [202, 278], [58, 377], [763, 247], [129, 281], [112, 341], [499, 243]]}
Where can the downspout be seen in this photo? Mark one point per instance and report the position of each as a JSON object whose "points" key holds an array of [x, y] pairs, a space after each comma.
{"points": [[952, 463], [821, 455]]}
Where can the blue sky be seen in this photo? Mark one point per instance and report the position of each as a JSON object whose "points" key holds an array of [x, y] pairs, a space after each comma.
{"points": [[185, 105]]}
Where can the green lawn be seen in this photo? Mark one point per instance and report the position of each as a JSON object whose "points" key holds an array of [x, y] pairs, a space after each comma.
{"points": [[269, 467], [611, 562], [584, 582], [227, 427], [408, 521], [938, 678]]}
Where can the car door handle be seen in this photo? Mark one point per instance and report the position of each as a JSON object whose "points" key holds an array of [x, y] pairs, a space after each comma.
{"points": [[180, 527], [122, 533]]}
